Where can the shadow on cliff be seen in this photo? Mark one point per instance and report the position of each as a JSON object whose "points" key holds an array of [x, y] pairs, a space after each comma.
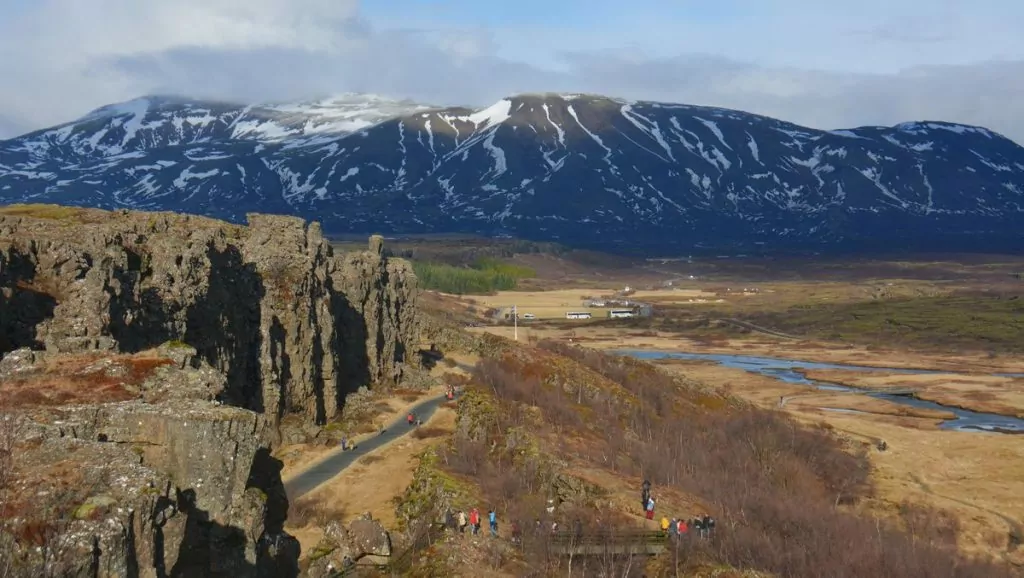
{"points": [[210, 548], [353, 354], [277, 552], [24, 304], [224, 326]]}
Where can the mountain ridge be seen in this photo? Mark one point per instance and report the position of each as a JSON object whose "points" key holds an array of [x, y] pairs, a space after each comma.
{"points": [[579, 169]]}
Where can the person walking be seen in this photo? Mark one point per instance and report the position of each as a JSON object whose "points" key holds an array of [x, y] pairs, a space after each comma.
{"points": [[462, 522], [344, 443], [517, 533], [411, 418], [650, 508], [708, 525], [681, 528], [474, 521], [492, 518], [664, 525], [698, 525], [673, 529]]}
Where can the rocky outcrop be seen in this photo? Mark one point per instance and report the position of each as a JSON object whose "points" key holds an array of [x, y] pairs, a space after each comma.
{"points": [[169, 483], [343, 546], [293, 327]]}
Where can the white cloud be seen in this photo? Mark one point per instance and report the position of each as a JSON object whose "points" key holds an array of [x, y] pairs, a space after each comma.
{"points": [[61, 58]]}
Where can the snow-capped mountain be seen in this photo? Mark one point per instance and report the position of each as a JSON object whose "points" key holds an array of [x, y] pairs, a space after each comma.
{"points": [[580, 169]]}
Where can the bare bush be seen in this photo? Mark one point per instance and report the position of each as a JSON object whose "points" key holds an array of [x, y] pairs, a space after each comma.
{"points": [[305, 512], [775, 486]]}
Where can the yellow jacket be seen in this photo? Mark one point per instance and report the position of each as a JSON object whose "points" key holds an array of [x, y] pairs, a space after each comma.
{"points": [[664, 523]]}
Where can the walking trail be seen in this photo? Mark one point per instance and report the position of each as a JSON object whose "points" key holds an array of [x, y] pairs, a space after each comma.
{"points": [[335, 462]]}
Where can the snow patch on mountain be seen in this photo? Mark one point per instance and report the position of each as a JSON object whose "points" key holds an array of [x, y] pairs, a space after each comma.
{"points": [[631, 171]]}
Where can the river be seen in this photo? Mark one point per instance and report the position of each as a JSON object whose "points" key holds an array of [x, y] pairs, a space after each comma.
{"points": [[787, 370]]}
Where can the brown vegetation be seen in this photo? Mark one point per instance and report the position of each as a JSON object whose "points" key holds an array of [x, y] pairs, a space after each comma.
{"points": [[784, 494], [309, 511], [87, 378]]}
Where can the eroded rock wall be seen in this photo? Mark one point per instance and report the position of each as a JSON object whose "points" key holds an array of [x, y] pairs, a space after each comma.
{"points": [[292, 326], [170, 483]]}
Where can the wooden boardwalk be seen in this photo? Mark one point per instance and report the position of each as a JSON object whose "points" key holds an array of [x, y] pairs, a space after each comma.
{"points": [[637, 543]]}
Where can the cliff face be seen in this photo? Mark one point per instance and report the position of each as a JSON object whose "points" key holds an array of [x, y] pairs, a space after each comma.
{"points": [[293, 327], [165, 482]]}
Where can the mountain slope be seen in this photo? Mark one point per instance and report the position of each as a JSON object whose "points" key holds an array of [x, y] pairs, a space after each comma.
{"points": [[580, 169]]}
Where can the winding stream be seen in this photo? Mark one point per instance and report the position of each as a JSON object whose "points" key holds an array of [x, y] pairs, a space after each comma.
{"points": [[786, 370]]}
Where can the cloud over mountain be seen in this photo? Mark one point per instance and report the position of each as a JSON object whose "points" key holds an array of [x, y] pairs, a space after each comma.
{"points": [[62, 58]]}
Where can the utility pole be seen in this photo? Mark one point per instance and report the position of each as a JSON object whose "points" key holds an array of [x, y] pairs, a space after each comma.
{"points": [[515, 323]]}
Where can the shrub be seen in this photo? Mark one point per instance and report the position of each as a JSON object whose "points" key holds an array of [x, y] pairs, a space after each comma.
{"points": [[776, 487]]}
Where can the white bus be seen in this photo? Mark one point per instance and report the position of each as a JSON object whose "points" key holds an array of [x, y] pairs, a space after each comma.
{"points": [[577, 315], [621, 313]]}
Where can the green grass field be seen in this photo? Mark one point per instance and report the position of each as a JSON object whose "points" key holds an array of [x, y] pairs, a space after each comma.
{"points": [[956, 321]]}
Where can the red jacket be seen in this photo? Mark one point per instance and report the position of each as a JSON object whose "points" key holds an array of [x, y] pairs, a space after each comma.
{"points": [[474, 517]]}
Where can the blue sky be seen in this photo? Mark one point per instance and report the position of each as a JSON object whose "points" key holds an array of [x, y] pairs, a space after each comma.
{"points": [[823, 64]]}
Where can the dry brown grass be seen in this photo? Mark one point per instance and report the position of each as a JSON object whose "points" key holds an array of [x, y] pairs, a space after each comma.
{"points": [[783, 493], [80, 379], [425, 432], [307, 511], [973, 476]]}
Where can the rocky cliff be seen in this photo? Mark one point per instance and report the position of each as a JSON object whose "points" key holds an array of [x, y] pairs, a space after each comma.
{"points": [[161, 480], [147, 361], [292, 326]]}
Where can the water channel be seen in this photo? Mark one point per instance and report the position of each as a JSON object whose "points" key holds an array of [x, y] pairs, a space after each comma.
{"points": [[787, 370]]}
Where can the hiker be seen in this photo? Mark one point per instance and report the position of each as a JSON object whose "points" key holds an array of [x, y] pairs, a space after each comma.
{"points": [[537, 526], [474, 521], [645, 494], [462, 522], [554, 527], [449, 520], [698, 524], [410, 418], [493, 519], [551, 507], [577, 528], [344, 443], [709, 524], [517, 533], [650, 508], [664, 525], [673, 529], [681, 528]]}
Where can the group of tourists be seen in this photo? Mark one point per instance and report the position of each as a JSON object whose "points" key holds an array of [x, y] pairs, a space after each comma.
{"points": [[460, 521], [676, 527], [680, 528]]}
